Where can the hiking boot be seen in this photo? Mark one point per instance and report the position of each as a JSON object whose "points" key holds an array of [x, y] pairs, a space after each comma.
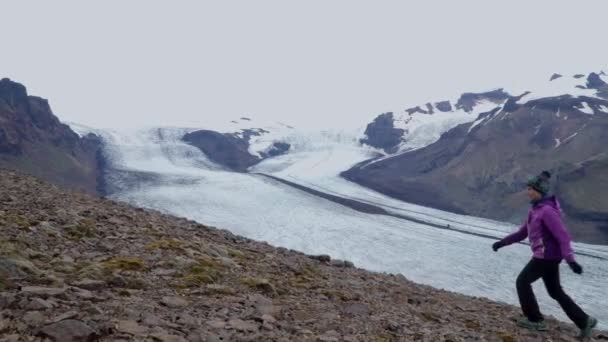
{"points": [[588, 329], [527, 324]]}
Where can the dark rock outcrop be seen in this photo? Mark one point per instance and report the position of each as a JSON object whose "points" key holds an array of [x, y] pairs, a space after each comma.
{"points": [[224, 149], [594, 81], [467, 101], [381, 133], [231, 149], [277, 149], [33, 140], [444, 106]]}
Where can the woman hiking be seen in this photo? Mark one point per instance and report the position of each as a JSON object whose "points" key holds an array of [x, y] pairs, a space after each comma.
{"points": [[550, 243]]}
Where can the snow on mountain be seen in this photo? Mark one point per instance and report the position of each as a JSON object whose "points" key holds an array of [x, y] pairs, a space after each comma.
{"points": [[574, 86], [417, 127], [423, 129], [259, 134]]}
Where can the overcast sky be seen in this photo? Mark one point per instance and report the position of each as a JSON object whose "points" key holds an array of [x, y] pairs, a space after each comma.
{"points": [[309, 63]]}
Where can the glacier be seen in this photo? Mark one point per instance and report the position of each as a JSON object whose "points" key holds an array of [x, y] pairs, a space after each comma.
{"points": [[186, 183]]}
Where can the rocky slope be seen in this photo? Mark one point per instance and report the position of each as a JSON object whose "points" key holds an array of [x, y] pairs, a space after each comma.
{"points": [[33, 140], [78, 268], [479, 167]]}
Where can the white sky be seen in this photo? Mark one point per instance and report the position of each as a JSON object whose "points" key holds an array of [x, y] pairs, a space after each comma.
{"points": [[310, 63]]}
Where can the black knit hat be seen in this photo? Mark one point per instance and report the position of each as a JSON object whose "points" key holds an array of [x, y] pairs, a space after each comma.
{"points": [[540, 183]]}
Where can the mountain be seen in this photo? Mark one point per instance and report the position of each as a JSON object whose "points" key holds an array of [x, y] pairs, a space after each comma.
{"points": [[33, 140], [480, 167], [421, 125], [242, 144], [78, 268]]}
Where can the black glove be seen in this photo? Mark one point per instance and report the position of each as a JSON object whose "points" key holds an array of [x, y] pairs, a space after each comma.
{"points": [[497, 245], [575, 267]]}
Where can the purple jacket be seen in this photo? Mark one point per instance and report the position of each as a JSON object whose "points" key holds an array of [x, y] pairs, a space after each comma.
{"points": [[546, 232]]}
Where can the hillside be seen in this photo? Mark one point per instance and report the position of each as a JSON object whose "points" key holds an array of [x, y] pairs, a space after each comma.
{"points": [[78, 268]]}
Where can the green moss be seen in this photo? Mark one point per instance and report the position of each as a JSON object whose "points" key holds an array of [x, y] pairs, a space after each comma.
{"points": [[334, 294], [221, 290], [472, 325], [125, 264], [166, 244], [124, 293], [84, 228], [236, 254], [259, 284], [504, 337], [8, 249], [17, 220], [206, 271]]}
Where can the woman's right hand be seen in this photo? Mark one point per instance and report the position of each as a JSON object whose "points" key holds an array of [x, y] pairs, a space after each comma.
{"points": [[497, 245], [575, 267]]}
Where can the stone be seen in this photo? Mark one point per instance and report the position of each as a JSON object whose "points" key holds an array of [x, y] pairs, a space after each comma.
{"points": [[4, 325], [241, 325], [11, 338], [38, 304], [165, 337], [357, 309], [337, 263], [330, 336], [69, 331], [131, 327], [174, 302], [188, 320], [34, 318], [268, 318], [216, 324], [64, 316], [43, 291], [321, 258], [91, 285], [7, 300]]}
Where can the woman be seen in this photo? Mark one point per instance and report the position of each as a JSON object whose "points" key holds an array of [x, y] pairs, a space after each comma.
{"points": [[550, 243]]}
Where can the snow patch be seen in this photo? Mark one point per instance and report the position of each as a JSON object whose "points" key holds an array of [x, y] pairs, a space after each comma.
{"points": [[570, 137], [557, 142], [586, 109], [477, 122]]}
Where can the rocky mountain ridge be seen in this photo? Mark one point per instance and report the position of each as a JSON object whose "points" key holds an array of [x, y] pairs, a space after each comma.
{"points": [[33, 140]]}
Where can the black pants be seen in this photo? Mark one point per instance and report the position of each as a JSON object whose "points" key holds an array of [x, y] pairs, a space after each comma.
{"points": [[549, 271]]}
